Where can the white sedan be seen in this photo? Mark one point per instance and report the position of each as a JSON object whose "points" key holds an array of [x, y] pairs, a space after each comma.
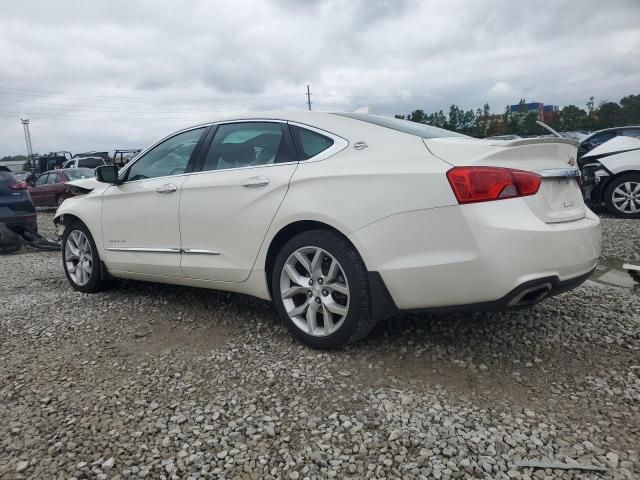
{"points": [[340, 219]]}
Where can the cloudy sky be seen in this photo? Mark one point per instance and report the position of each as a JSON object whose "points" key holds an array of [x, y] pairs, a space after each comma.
{"points": [[101, 75]]}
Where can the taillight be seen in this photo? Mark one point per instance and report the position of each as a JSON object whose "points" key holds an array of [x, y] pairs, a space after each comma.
{"points": [[484, 184], [18, 186]]}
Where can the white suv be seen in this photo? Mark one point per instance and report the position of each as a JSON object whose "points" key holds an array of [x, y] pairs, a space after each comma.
{"points": [[84, 162]]}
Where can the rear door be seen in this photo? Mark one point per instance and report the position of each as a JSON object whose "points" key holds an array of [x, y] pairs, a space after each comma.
{"points": [[226, 209]]}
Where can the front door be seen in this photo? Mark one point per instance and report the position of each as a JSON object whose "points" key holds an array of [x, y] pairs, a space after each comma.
{"points": [[140, 217], [227, 208]]}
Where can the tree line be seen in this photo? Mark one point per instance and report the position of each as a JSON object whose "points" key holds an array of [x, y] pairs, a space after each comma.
{"points": [[482, 123]]}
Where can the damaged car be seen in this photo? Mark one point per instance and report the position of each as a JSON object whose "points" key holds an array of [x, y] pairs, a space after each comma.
{"points": [[611, 176], [340, 219]]}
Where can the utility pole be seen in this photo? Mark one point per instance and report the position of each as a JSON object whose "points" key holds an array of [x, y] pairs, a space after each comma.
{"points": [[27, 138], [308, 97]]}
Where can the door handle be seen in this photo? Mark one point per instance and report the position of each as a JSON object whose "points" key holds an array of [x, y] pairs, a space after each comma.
{"points": [[255, 182], [167, 188]]}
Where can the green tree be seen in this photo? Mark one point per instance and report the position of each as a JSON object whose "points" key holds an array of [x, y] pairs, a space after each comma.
{"points": [[607, 115], [630, 110]]}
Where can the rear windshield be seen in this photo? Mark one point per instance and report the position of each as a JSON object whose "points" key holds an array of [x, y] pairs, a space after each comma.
{"points": [[79, 173], [406, 126]]}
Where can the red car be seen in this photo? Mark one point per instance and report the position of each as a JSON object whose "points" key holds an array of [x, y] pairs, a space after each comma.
{"points": [[49, 189]]}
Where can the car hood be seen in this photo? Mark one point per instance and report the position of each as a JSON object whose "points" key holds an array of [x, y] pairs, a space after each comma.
{"points": [[615, 145]]}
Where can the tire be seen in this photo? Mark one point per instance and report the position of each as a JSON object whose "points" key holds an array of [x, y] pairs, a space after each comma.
{"points": [[322, 325], [615, 194], [74, 251]]}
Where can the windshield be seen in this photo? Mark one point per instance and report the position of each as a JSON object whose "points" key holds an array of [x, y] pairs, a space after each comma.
{"points": [[406, 126], [79, 173]]}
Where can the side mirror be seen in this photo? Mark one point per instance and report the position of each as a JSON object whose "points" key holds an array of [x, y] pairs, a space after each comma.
{"points": [[107, 174]]}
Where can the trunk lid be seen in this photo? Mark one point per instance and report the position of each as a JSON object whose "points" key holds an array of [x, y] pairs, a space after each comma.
{"points": [[559, 198]]}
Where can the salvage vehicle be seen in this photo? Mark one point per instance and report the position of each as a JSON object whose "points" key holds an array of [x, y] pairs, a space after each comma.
{"points": [[84, 162], [611, 176], [50, 190], [602, 136], [17, 211], [340, 219]]}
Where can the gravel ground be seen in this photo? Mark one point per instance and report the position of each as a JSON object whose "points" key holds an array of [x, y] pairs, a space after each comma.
{"points": [[156, 381]]}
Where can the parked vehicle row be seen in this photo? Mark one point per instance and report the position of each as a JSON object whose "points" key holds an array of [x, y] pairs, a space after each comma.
{"points": [[340, 219]]}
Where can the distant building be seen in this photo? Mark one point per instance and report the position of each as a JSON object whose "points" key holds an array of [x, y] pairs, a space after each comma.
{"points": [[545, 112], [548, 112]]}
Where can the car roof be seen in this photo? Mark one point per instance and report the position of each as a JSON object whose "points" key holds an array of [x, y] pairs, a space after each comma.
{"points": [[613, 129], [343, 124]]}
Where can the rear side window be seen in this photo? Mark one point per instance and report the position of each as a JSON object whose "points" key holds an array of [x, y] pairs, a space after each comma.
{"points": [[90, 162], [309, 142], [631, 132]]}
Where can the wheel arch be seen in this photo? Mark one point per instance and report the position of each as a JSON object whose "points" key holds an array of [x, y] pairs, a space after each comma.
{"points": [[289, 231]]}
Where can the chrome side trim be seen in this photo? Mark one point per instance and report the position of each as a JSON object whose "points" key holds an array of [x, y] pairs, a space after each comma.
{"points": [[144, 250], [192, 251], [558, 172], [199, 251]]}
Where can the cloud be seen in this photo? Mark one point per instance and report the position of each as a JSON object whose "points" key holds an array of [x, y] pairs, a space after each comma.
{"points": [[500, 89], [101, 75]]}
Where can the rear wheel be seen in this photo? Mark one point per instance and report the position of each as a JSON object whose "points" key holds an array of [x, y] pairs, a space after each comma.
{"points": [[622, 196], [321, 290], [81, 259]]}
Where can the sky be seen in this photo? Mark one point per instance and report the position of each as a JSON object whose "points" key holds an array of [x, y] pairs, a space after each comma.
{"points": [[122, 74]]}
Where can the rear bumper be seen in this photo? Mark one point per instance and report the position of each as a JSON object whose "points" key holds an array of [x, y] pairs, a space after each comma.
{"points": [[21, 221], [479, 256]]}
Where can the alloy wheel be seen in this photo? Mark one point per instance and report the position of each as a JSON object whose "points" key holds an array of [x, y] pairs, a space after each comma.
{"points": [[314, 291], [78, 257], [626, 197]]}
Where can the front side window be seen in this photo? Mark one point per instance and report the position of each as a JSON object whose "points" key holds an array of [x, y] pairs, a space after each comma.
{"points": [[42, 179], [237, 145], [310, 142], [169, 158]]}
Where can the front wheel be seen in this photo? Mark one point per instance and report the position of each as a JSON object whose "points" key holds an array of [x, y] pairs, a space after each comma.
{"points": [[321, 290], [622, 196], [81, 260]]}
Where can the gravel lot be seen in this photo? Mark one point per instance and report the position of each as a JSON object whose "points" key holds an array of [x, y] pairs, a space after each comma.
{"points": [[155, 381]]}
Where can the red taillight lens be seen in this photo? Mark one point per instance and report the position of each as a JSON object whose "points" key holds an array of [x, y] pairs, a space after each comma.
{"points": [[18, 186], [484, 184]]}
